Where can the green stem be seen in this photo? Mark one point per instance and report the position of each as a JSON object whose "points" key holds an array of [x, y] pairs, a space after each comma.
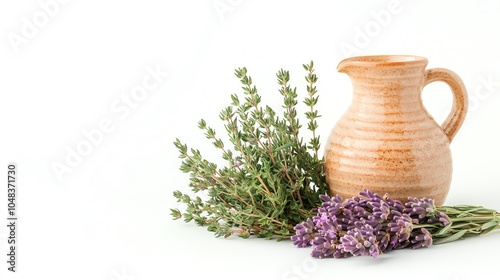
{"points": [[252, 93], [311, 94], [475, 218], [427, 226]]}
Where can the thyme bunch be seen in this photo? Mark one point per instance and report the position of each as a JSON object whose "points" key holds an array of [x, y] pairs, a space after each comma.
{"points": [[272, 178]]}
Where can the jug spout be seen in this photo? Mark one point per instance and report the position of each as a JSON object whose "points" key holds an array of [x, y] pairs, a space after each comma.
{"points": [[344, 66]]}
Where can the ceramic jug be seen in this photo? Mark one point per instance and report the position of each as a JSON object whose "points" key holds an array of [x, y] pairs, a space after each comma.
{"points": [[386, 141]]}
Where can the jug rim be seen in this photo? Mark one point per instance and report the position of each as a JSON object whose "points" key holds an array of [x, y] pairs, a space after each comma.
{"points": [[382, 60]]}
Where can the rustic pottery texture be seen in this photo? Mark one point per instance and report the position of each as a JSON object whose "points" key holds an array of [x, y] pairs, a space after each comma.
{"points": [[386, 141]]}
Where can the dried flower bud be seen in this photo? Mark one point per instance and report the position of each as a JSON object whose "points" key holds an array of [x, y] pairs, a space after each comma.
{"points": [[421, 238], [324, 246], [304, 234], [360, 241]]}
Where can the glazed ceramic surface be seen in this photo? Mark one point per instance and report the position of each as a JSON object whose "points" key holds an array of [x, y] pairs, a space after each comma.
{"points": [[386, 141]]}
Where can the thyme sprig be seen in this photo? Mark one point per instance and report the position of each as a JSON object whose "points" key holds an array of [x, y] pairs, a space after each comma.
{"points": [[272, 179]]}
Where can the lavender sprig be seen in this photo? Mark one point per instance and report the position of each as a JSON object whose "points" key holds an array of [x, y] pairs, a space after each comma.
{"points": [[371, 224]]}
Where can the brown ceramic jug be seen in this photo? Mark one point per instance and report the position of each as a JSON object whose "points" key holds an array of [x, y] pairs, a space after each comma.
{"points": [[386, 141]]}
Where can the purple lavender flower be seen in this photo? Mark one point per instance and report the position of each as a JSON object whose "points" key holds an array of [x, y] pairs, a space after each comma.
{"points": [[360, 241], [401, 226], [324, 246], [383, 242], [381, 210], [326, 223], [328, 245], [367, 194], [304, 234], [419, 209], [351, 202], [367, 225], [395, 204], [361, 212], [420, 238], [423, 210], [332, 206], [440, 217]]}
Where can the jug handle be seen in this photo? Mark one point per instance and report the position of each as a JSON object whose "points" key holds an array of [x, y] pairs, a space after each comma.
{"points": [[460, 102]]}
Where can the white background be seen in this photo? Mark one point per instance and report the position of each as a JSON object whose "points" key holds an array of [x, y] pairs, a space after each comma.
{"points": [[107, 217]]}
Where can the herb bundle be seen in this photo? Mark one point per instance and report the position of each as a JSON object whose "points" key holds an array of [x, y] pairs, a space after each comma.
{"points": [[371, 224], [273, 185], [272, 179]]}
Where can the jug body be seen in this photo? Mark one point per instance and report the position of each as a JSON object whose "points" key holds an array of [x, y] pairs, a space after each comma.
{"points": [[386, 141]]}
